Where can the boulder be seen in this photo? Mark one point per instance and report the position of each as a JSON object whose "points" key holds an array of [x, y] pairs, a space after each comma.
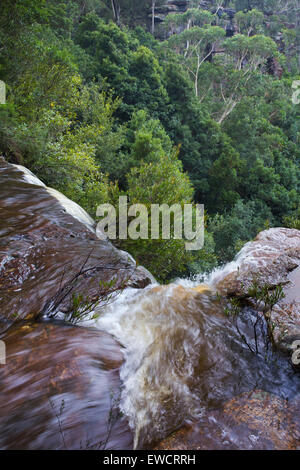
{"points": [[272, 259], [141, 278], [252, 421], [285, 316], [48, 242], [60, 389]]}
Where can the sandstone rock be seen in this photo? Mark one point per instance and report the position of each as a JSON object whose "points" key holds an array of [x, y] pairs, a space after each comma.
{"points": [[285, 316], [58, 388], [252, 421], [141, 278], [273, 258], [43, 246], [268, 259]]}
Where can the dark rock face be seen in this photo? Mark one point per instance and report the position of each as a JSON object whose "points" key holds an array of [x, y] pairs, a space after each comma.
{"points": [[172, 6], [252, 421], [141, 278], [42, 247], [56, 389], [273, 258]]}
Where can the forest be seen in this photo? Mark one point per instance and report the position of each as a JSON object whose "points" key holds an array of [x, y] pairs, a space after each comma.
{"points": [[162, 101]]}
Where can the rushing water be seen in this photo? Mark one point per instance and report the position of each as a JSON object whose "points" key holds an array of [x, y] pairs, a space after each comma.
{"points": [[183, 355]]}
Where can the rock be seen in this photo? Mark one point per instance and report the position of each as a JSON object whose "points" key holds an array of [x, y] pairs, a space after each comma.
{"points": [[58, 388], [273, 258], [269, 259], [285, 316], [141, 278], [252, 421], [45, 240]]}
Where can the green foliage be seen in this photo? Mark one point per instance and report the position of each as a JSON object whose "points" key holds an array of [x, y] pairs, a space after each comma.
{"points": [[250, 22], [94, 99], [161, 182], [84, 307], [233, 308], [265, 295], [233, 229], [293, 221]]}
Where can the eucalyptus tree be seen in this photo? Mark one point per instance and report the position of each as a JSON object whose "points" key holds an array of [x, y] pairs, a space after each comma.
{"points": [[195, 46], [244, 57], [250, 22]]}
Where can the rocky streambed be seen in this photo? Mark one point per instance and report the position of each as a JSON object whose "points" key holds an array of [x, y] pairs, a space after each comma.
{"points": [[55, 375], [161, 366]]}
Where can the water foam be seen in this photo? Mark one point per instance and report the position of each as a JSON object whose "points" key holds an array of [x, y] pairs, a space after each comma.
{"points": [[161, 329]]}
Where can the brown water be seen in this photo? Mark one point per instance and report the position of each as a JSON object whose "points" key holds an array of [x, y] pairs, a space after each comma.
{"points": [[183, 356], [180, 358]]}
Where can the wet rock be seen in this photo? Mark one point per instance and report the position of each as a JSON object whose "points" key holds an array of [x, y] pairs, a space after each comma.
{"points": [[285, 316], [58, 389], [269, 259], [252, 421], [141, 278], [273, 258], [45, 241], [183, 355]]}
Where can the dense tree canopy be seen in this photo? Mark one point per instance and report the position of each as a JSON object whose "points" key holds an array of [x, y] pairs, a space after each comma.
{"points": [[200, 111]]}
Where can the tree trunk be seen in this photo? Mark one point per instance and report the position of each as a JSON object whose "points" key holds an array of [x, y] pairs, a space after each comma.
{"points": [[153, 16], [116, 11]]}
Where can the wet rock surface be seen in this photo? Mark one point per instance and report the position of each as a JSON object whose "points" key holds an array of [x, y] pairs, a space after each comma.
{"points": [[269, 417], [285, 316], [141, 278], [252, 421], [183, 357], [269, 259], [273, 258], [42, 248], [59, 387]]}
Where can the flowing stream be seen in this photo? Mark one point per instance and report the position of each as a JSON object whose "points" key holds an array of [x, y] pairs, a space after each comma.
{"points": [[184, 356]]}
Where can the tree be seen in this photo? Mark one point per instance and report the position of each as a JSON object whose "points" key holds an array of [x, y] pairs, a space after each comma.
{"points": [[116, 10], [161, 182], [144, 140], [154, 3], [245, 56], [249, 22], [195, 45]]}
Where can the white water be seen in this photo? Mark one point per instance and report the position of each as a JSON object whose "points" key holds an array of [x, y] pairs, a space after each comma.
{"points": [[161, 329], [167, 333]]}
